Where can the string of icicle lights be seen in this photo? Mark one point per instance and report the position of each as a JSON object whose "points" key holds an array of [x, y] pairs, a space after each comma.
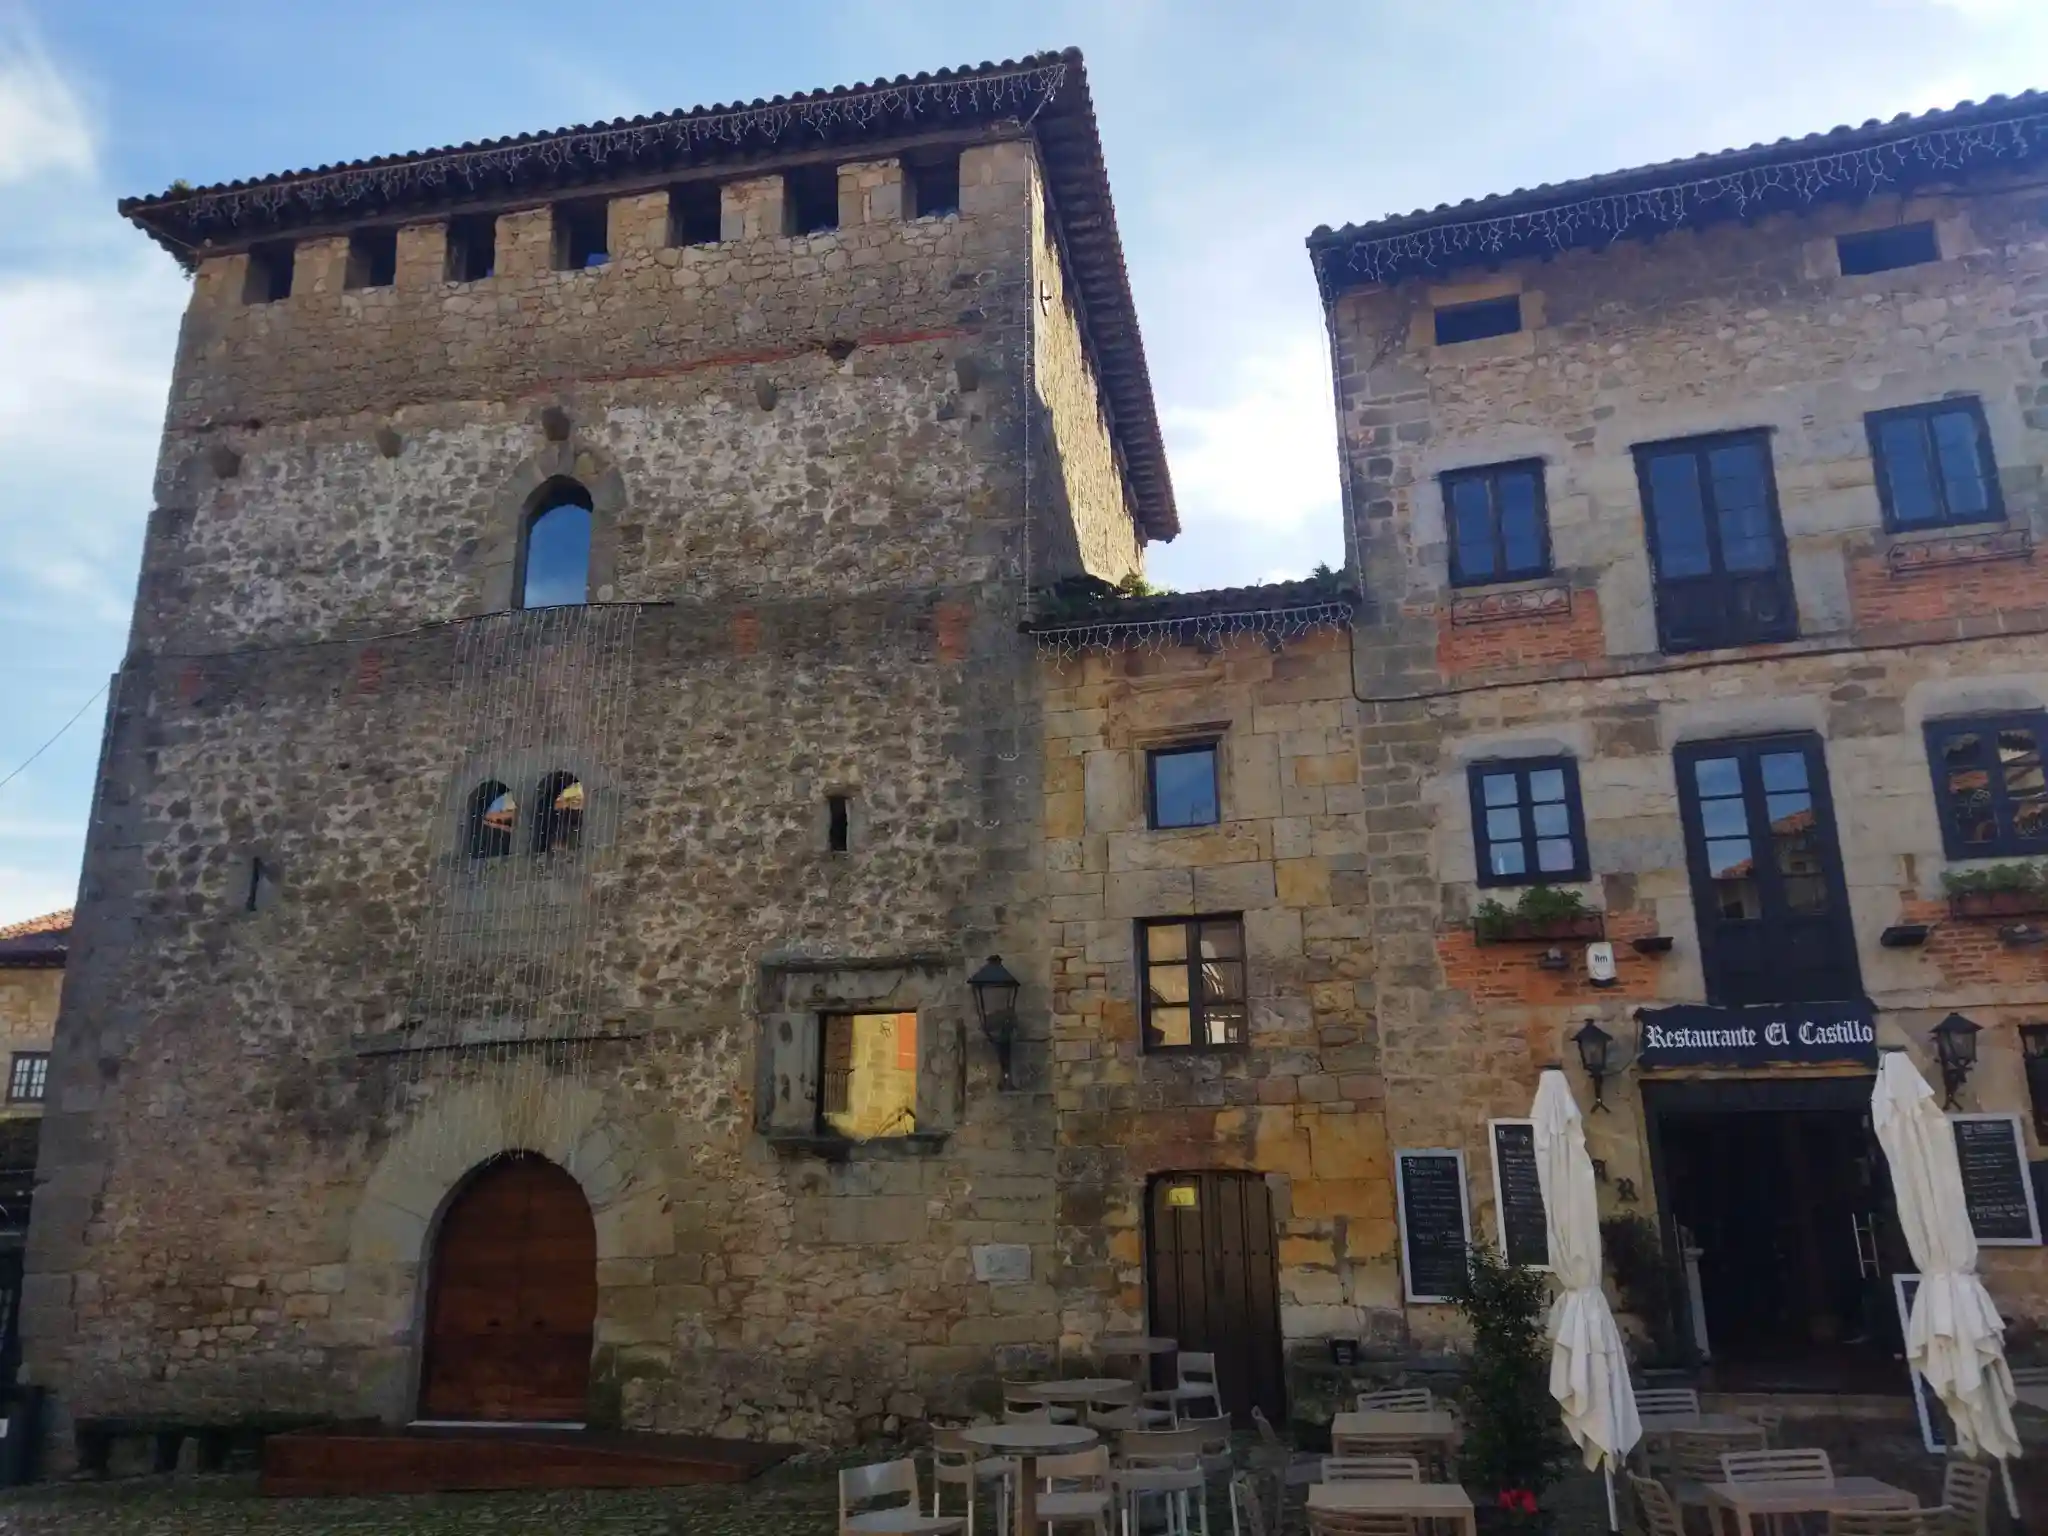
{"points": [[1273, 625], [1021, 92], [1738, 193]]}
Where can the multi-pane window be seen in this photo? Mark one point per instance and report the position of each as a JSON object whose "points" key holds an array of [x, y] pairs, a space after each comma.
{"points": [[1496, 522], [1989, 785], [1180, 786], [1526, 822], [867, 1077], [1194, 990], [1766, 870], [1934, 465], [28, 1076], [1716, 546]]}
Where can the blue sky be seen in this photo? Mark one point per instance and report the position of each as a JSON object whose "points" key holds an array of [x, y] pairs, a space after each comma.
{"points": [[1231, 130]]}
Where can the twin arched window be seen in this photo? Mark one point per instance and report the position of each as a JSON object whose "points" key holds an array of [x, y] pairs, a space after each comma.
{"points": [[554, 550], [557, 817]]}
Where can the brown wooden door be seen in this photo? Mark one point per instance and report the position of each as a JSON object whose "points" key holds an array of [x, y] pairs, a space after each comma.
{"points": [[1213, 1281], [513, 1299]]}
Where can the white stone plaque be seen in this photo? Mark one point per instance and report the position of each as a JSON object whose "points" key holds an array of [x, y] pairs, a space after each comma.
{"points": [[1002, 1263]]}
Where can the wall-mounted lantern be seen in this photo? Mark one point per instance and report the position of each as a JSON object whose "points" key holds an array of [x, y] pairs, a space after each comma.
{"points": [[995, 1001], [2034, 1053], [1955, 1047], [1595, 1049]]}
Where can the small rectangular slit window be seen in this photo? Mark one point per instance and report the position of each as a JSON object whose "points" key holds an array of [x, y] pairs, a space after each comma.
{"points": [[372, 259], [254, 896], [581, 236], [1477, 321], [835, 819], [811, 198], [693, 213], [934, 184], [1881, 250], [472, 247], [270, 273]]}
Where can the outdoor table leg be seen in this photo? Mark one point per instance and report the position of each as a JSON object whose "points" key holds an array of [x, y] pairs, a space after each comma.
{"points": [[1027, 1495]]}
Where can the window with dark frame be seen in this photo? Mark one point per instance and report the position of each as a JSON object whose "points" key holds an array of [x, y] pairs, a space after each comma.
{"points": [[810, 198], [867, 1075], [1193, 991], [1934, 465], [582, 235], [1717, 547], [1527, 823], [472, 247], [1497, 522], [28, 1077], [372, 259], [1766, 871], [1882, 250], [695, 213], [270, 273], [1181, 788], [1989, 785], [1478, 320]]}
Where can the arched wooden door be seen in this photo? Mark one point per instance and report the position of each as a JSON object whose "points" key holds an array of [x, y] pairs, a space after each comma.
{"points": [[512, 1299]]}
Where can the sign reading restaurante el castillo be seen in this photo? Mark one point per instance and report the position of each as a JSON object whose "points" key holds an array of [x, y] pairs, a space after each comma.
{"points": [[1695, 1035]]}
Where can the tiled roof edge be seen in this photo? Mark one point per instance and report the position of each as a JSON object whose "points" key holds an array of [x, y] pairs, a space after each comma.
{"points": [[1969, 138]]}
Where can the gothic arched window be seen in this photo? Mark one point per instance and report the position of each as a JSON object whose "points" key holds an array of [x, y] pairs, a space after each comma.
{"points": [[493, 818], [558, 813], [554, 553]]}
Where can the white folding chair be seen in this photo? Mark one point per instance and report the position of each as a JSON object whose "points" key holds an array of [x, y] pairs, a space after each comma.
{"points": [[894, 1480]]}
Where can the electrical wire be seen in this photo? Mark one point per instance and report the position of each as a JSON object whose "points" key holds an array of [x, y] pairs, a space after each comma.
{"points": [[39, 751]]}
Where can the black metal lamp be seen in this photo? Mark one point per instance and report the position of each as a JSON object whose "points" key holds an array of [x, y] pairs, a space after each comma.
{"points": [[995, 1000], [2034, 1055], [1955, 1047], [1595, 1053]]}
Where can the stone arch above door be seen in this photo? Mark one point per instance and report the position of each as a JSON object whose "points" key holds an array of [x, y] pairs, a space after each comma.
{"points": [[381, 1302]]}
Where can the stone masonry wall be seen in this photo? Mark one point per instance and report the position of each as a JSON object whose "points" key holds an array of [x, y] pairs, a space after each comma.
{"points": [[1305, 1102], [1729, 327], [240, 1173], [29, 997]]}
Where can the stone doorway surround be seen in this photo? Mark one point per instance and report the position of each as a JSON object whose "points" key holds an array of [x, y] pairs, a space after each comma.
{"points": [[380, 1310]]}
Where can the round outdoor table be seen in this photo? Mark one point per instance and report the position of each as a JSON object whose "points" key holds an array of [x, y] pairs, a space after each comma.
{"points": [[1028, 1442], [1079, 1390]]}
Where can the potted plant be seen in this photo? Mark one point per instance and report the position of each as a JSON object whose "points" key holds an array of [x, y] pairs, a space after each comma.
{"points": [[1997, 890], [1544, 914], [1514, 1446]]}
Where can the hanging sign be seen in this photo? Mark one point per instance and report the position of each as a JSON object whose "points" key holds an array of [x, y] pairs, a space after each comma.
{"points": [[1436, 1226], [1772, 1034], [1997, 1190], [1518, 1194]]}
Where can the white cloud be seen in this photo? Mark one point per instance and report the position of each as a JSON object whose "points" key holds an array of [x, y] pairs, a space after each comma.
{"points": [[43, 124], [1268, 454]]}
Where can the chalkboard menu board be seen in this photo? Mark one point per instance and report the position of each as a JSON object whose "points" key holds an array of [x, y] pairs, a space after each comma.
{"points": [[1435, 1225], [1996, 1186], [1518, 1194]]}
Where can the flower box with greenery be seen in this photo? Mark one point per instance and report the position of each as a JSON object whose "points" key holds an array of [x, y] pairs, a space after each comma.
{"points": [[1997, 890], [1544, 914], [1514, 1446]]}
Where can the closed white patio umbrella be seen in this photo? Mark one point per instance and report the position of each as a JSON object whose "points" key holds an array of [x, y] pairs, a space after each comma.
{"points": [[1588, 1368], [1954, 1336]]}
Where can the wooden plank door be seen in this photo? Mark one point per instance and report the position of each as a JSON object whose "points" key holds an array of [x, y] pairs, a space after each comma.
{"points": [[513, 1301], [1213, 1283]]}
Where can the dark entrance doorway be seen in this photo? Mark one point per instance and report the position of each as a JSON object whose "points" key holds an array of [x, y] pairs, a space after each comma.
{"points": [[1214, 1286], [1782, 1191], [513, 1300]]}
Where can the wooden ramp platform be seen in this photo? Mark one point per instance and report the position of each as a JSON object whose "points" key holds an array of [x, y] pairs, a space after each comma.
{"points": [[372, 1458]]}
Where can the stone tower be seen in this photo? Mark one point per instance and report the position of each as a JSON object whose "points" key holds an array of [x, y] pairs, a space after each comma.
{"points": [[576, 661]]}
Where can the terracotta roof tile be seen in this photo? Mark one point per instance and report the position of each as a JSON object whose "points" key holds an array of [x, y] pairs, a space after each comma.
{"points": [[49, 922]]}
